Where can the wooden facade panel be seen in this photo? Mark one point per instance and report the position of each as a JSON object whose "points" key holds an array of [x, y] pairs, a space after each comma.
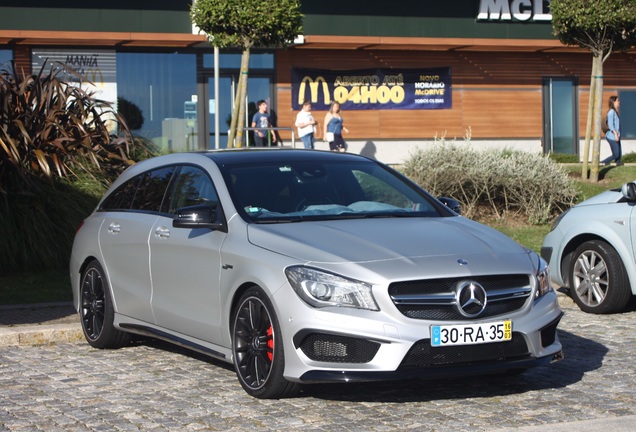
{"points": [[503, 113], [421, 124]]}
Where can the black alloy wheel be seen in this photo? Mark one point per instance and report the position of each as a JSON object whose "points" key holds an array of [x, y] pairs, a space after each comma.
{"points": [[258, 349], [96, 310]]}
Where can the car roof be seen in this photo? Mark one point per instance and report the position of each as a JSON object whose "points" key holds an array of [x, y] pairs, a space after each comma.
{"points": [[279, 155]]}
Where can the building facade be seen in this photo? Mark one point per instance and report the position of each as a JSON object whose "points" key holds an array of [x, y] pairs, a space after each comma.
{"points": [[406, 74]]}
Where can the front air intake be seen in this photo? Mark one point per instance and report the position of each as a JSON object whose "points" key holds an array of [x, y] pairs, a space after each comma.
{"points": [[338, 349]]}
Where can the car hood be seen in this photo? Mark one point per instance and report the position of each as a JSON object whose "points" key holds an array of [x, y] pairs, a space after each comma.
{"points": [[607, 197], [397, 244]]}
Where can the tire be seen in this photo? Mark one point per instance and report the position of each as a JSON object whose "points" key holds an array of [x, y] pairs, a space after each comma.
{"points": [[96, 310], [257, 348], [598, 280]]}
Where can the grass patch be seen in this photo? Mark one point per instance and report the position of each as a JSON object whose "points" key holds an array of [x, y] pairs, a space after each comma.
{"points": [[531, 236]]}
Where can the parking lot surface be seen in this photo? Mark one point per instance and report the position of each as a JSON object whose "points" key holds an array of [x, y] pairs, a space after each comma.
{"points": [[154, 386]]}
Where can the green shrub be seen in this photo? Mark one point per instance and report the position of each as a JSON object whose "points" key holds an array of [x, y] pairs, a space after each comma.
{"points": [[564, 157], [629, 158], [37, 228], [498, 182]]}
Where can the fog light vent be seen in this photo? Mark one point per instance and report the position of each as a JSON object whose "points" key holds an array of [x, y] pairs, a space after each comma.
{"points": [[338, 349], [548, 333]]}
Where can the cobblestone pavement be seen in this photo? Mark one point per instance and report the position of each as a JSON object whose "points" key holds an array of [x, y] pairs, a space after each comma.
{"points": [[153, 386]]}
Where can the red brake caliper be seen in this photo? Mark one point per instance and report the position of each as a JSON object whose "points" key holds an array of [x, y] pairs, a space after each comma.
{"points": [[270, 343]]}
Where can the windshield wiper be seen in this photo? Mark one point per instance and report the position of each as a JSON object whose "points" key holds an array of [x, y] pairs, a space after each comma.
{"points": [[279, 220]]}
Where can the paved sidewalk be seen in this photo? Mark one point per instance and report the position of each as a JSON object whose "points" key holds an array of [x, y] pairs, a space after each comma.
{"points": [[50, 323]]}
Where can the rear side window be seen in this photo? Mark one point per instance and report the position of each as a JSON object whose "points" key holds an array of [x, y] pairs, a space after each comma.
{"points": [[152, 188], [122, 197], [144, 192]]}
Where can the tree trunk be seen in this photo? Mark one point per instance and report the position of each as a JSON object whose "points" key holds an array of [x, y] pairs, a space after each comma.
{"points": [[590, 123], [232, 132], [242, 94], [598, 114]]}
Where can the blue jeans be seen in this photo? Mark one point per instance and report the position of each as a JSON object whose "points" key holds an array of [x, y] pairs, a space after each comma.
{"points": [[617, 152], [308, 140]]}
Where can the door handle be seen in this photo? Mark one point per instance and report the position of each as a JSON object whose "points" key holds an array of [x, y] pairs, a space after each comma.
{"points": [[114, 228], [162, 232]]}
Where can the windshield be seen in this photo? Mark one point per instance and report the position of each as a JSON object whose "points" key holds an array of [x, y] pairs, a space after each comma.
{"points": [[291, 192]]}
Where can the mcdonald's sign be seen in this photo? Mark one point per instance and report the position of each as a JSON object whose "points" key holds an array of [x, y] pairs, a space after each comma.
{"points": [[314, 85], [373, 88], [93, 75]]}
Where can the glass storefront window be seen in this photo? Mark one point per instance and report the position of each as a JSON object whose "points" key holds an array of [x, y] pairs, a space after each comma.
{"points": [[6, 55], [233, 61], [627, 111], [157, 94]]}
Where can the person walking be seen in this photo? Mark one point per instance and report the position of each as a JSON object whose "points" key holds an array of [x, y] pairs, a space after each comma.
{"points": [[306, 125], [334, 128], [262, 121], [613, 135]]}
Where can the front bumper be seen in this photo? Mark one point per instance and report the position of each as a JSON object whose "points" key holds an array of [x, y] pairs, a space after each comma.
{"points": [[424, 361], [347, 346]]}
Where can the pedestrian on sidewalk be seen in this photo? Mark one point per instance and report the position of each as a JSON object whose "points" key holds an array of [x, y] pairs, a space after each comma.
{"points": [[613, 135]]}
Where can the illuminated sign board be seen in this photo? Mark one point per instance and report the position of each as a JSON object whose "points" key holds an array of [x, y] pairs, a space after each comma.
{"points": [[373, 88]]}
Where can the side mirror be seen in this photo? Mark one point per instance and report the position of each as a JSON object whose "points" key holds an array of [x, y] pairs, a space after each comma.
{"points": [[629, 191], [199, 216], [452, 204]]}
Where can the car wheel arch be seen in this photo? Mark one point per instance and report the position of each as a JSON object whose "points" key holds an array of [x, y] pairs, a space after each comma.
{"points": [[87, 261], [568, 253], [236, 297]]}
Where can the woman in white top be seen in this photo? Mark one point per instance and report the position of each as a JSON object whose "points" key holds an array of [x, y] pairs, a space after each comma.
{"points": [[306, 125]]}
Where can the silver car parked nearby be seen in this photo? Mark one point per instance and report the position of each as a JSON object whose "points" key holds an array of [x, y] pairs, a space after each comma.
{"points": [[303, 266], [590, 250]]}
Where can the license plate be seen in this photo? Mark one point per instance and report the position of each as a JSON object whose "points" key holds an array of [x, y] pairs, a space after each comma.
{"points": [[471, 334]]}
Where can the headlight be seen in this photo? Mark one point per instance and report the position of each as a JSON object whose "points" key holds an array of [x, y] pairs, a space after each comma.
{"points": [[321, 289], [558, 220], [543, 278]]}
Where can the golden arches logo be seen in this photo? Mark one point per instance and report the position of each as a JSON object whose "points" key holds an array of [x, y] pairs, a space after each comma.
{"points": [[313, 88], [94, 76]]}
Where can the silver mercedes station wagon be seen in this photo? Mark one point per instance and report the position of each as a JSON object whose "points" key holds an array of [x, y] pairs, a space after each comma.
{"points": [[303, 266]]}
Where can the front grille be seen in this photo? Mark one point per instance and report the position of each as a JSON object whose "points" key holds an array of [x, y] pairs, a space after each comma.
{"points": [[434, 299], [422, 354], [338, 349]]}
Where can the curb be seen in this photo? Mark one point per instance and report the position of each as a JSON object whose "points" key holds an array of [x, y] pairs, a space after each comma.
{"points": [[40, 334]]}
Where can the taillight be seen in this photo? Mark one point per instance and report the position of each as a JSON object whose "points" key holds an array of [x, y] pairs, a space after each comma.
{"points": [[79, 227]]}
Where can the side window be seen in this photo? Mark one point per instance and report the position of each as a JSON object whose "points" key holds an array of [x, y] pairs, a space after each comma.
{"points": [[122, 197], [191, 187], [377, 190], [152, 188]]}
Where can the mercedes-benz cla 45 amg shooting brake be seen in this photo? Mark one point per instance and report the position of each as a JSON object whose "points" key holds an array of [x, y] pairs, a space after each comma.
{"points": [[302, 266]]}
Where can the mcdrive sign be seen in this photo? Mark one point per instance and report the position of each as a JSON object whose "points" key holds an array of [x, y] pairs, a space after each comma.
{"points": [[366, 89]]}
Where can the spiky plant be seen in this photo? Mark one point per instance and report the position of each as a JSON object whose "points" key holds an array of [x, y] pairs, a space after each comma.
{"points": [[50, 128]]}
